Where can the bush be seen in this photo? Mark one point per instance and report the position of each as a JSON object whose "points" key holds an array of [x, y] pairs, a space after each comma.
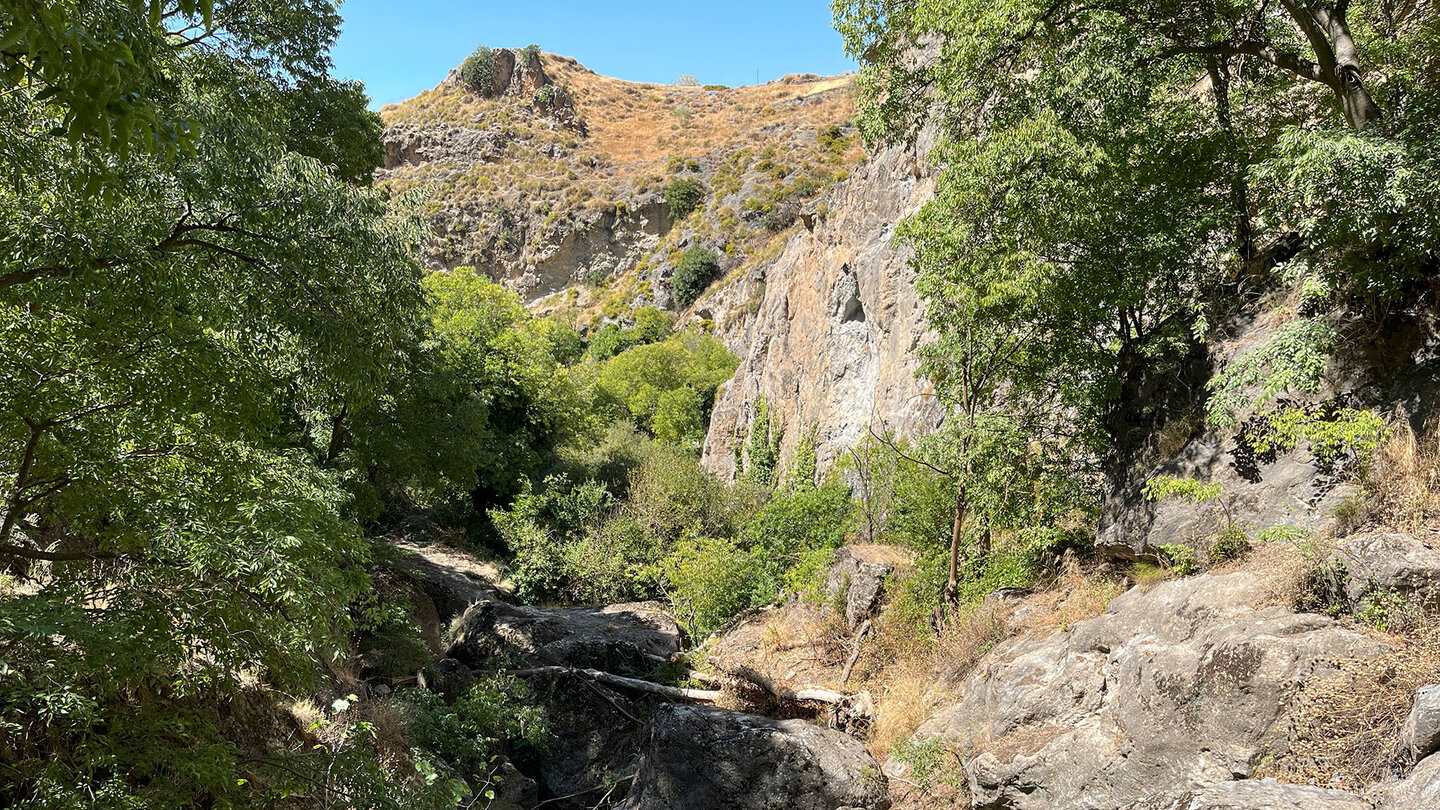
{"points": [[478, 70], [529, 54], [710, 580], [1227, 545], [698, 269], [470, 735], [634, 382], [684, 196], [1181, 559], [545, 96]]}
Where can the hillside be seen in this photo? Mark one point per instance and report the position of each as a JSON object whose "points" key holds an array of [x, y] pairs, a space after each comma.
{"points": [[555, 178]]}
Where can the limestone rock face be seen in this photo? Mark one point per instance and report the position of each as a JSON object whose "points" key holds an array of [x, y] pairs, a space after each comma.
{"points": [[1260, 794], [703, 758], [1174, 689], [832, 345], [1388, 561]]}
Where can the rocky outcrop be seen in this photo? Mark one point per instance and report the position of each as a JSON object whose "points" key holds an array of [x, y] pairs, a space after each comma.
{"points": [[1289, 490], [598, 244], [1263, 794], [616, 638], [701, 758], [859, 584], [1389, 562], [1421, 732], [1174, 690], [832, 344]]}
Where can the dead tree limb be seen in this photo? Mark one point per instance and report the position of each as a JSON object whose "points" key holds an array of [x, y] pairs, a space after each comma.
{"points": [[650, 687], [855, 654]]}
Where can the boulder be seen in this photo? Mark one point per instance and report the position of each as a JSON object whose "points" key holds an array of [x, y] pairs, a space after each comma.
{"points": [[859, 583], [1174, 689], [1421, 733], [1420, 791], [513, 790], [704, 758], [625, 638], [1261, 794], [1388, 561], [1291, 489]]}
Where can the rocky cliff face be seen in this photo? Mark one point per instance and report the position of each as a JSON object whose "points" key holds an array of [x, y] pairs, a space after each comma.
{"points": [[832, 344]]}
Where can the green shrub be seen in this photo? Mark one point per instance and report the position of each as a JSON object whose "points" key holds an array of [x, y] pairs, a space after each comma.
{"points": [[470, 735], [715, 87], [762, 448], [634, 382], [1181, 559], [697, 271], [529, 54], [1227, 545], [709, 581], [545, 96], [652, 325], [478, 70], [387, 633], [683, 196]]}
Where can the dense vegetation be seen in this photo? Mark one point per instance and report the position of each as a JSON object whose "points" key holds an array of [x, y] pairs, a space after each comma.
{"points": [[1119, 178], [220, 366], [223, 372]]}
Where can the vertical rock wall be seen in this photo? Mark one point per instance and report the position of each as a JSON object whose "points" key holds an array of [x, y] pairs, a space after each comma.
{"points": [[832, 346]]}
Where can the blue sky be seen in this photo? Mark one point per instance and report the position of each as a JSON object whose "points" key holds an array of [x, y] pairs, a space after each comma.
{"points": [[401, 48]]}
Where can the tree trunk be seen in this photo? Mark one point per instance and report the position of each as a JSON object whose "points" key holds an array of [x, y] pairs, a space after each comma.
{"points": [[1328, 30], [1219, 68], [952, 585], [1360, 109]]}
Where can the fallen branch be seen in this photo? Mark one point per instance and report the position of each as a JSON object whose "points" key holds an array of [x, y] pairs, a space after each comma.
{"points": [[650, 687], [855, 654]]}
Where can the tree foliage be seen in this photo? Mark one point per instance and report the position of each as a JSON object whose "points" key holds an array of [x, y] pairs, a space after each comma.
{"points": [[698, 268], [1117, 177], [181, 325]]}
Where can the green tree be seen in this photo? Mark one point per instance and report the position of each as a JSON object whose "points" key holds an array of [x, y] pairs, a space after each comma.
{"points": [[175, 352], [1116, 173], [668, 387], [683, 195], [697, 270], [483, 403]]}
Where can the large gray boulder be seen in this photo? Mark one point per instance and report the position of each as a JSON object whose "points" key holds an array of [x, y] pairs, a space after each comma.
{"points": [[626, 638], [1177, 688], [1389, 562], [704, 758], [1421, 733], [1260, 794], [1421, 791], [858, 583]]}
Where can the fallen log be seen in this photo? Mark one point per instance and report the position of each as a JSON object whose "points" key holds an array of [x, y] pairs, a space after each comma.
{"points": [[609, 679]]}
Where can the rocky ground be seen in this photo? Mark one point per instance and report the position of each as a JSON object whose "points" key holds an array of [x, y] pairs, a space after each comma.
{"points": [[1197, 692]]}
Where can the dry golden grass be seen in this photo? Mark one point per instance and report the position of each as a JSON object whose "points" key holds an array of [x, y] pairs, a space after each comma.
{"points": [[636, 123], [1403, 482], [911, 669], [1343, 730]]}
